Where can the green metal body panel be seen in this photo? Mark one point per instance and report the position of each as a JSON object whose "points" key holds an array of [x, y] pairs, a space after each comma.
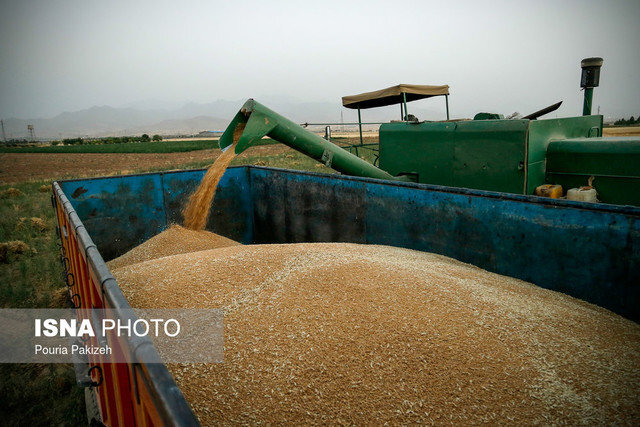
{"points": [[613, 162], [542, 132], [490, 155], [497, 155], [404, 149], [482, 154]]}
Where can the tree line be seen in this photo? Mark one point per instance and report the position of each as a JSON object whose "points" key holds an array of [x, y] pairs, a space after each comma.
{"points": [[108, 140], [624, 122]]}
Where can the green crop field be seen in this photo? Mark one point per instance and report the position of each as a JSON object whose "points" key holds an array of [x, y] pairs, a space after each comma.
{"points": [[130, 147]]}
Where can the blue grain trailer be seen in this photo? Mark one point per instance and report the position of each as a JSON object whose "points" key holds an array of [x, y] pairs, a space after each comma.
{"points": [[588, 250]]}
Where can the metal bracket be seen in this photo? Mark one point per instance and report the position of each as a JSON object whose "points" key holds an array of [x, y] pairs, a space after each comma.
{"points": [[99, 382], [81, 367], [327, 158], [70, 280], [73, 299]]}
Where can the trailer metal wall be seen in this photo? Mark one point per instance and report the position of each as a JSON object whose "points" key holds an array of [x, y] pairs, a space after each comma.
{"points": [[589, 251]]}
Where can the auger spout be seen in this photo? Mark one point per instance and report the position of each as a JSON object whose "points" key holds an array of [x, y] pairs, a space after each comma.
{"points": [[260, 121]]}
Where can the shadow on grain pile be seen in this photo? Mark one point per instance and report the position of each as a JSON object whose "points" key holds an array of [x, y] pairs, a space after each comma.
{"points": [[346, 333]]}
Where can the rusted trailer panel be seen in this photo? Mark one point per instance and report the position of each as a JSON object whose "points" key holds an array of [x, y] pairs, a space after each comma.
{"points": [[130, 393]]}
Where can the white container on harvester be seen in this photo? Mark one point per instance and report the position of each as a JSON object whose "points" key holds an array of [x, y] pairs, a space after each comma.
{"points": [[583, 194]]}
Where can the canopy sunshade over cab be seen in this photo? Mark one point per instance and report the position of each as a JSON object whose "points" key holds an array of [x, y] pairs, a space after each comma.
{"points": [[399, 94]]}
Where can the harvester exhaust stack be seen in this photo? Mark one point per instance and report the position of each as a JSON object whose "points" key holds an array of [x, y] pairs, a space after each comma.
{"points": [[260, 121], [590, 78]]}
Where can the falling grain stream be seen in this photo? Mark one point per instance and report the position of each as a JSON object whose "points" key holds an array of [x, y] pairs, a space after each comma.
{"points": [[196, 213]]}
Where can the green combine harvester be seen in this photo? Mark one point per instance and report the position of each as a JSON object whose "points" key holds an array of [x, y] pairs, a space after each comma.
{"points": [[487, 153]]}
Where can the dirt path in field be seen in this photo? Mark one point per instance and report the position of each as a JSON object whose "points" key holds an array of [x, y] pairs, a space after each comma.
{"points": [[18, 167]]}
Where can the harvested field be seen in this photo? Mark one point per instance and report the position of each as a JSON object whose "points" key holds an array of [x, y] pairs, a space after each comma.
{"points": [[622, 131], [119, 147], [346, 333], [20, 167], [37, 166], [31, 166]]}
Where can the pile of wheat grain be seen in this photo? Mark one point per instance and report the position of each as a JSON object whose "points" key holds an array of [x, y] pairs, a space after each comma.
{"points": [[172, 241], [355, 334]]}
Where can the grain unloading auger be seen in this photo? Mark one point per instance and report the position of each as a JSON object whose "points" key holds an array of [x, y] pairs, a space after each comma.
{"points": [[254, 121]]}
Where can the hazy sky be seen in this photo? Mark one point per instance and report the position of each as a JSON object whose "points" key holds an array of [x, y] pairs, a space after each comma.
{"points": [[497, 56]]}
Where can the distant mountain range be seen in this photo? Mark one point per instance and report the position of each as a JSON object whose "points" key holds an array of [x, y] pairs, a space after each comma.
{"points": [[189, 119]]}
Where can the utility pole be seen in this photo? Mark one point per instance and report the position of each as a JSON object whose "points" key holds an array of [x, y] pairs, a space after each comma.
{"points": [[4, 136]]}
